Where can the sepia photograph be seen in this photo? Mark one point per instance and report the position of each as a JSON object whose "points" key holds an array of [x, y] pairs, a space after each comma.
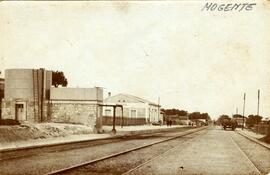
{"points": [[136, 87]]}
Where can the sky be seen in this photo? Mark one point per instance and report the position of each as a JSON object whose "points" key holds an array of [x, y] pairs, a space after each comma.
{"points": [[192, 59]]}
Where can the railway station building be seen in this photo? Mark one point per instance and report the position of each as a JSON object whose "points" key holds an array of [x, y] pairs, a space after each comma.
{"points": [[136, 110]]}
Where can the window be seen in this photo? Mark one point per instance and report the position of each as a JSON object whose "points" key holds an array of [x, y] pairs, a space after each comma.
{"points": [[108, 112], [133, 113]]}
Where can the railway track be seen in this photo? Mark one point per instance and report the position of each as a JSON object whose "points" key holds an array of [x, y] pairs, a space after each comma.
{"points": [[100, 164], [250, 147], [147, 152], [30, 151], [246, 157]]}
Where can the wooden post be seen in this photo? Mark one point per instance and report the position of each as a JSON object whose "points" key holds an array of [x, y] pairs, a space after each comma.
{"points": [[114, 130], [122, 122], [244, 110]]}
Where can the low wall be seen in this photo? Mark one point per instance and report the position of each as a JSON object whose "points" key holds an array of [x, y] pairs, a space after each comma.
{"points": [[108, 120], [77, 113]]}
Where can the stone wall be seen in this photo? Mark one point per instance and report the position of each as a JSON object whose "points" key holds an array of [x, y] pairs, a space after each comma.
{"points": [[86, 113], [8, 110]]}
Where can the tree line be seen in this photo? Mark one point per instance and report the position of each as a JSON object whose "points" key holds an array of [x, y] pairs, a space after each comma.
{"points": [[193, 115]]}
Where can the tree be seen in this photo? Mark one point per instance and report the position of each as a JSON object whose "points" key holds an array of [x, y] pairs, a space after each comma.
{"points": [[58, 78], [237, 116], [198, 115], [194, 115], [205, 116], [222, 117], [182, 113], [174, 112], [253, 119]]}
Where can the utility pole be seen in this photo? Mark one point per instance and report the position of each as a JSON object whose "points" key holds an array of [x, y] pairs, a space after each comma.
{"points": [[244, 110], [258, 111], [258, 107], [236, 110], [158, 107]]}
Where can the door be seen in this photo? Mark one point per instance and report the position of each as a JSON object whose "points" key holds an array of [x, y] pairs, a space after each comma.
{"points": [[19, 113]]}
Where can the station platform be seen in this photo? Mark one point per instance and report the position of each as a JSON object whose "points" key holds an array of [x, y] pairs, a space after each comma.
{"points": [[120, 131]]}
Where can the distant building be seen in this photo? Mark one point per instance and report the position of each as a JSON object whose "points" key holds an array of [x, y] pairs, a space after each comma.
{"points": [[177, 119], [265, 120], [136, 110], [184, 120], [240, 121]]}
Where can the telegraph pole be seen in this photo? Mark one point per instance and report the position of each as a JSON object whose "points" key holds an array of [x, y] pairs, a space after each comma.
{"points": [[158, 107], [244, 110], [236, 110], [258, 107], [258, 111]]}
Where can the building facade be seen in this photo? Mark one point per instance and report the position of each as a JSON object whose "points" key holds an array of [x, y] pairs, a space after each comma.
{"points": [[77, 106], [29, 96], [26, 94], [241, 121], [178, 119], [136, 110]]}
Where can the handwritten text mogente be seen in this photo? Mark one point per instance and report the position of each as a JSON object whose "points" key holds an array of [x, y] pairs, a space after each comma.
{"points": [[228, 7]]}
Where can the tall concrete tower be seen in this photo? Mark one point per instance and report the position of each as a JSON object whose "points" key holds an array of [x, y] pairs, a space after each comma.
{"points": [[26, 94]]}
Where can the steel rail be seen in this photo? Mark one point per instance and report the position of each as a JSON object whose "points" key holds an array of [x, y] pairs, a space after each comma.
{"points": [[254, 140], [63, 170], [84, 141], [73, 145], [246, 156], [150, 160]]}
